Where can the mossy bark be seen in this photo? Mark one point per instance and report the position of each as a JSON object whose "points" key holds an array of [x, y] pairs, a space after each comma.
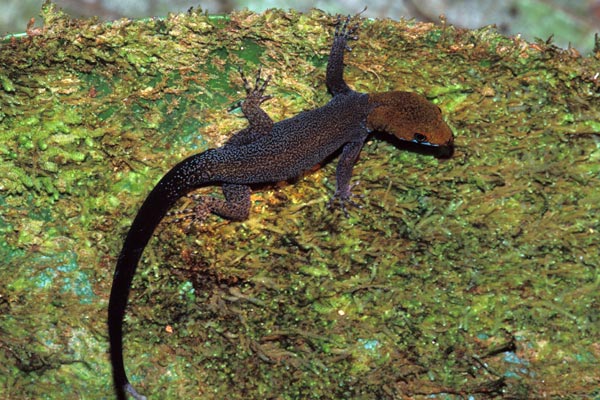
{"points": [[474, 275]]}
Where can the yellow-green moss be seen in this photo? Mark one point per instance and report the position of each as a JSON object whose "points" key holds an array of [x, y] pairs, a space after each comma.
{"points": [[476, 275]]}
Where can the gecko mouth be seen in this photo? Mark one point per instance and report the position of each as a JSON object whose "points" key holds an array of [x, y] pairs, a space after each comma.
{"points": [[439, 150], [445, 151]]}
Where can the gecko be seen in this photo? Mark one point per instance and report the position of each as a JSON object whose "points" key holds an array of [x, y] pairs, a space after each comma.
{"points": [[269, 152]]}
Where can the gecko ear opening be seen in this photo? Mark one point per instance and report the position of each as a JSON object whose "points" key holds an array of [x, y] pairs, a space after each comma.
{"points": [[409, 117]]}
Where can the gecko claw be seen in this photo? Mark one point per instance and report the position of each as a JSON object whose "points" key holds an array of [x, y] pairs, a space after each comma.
{"points": [[195, 215], [256, 91], [345, 199], [345, 29], [255, 94]]}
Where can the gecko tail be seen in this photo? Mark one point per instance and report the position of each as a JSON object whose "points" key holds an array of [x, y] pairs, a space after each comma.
{"points": [[129, 389], [191, 173]]}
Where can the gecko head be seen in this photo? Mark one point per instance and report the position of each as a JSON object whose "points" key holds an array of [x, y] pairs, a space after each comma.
{"points": [[410, 117]]}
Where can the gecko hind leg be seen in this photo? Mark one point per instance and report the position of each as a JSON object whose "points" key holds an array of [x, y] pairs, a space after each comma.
{"points": [[234, 207]]}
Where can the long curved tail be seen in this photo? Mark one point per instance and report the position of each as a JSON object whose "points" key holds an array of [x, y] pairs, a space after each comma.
{"points": [[190, 173]]}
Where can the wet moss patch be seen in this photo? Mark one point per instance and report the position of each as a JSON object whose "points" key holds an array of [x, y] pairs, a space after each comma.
{"points": [[472, 276]]}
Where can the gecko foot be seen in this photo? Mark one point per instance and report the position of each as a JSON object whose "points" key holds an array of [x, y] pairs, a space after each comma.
{"points": [[193, 215], [255, 94], [345, 30], [345, 199]]}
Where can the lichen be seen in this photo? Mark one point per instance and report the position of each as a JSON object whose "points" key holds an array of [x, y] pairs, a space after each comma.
{"points": [[476, 275]]}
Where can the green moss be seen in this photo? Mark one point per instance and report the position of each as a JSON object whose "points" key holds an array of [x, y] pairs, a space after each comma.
{"points": [[475, 275]]}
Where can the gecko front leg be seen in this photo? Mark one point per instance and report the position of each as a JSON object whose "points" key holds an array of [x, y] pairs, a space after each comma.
{"points": [[260, 122]]}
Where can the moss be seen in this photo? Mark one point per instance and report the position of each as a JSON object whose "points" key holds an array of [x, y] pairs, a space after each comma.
{"points": [[475, 275]]}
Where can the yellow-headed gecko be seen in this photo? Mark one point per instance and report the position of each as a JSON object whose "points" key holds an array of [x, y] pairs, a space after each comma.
{"points": [[270, 152]]}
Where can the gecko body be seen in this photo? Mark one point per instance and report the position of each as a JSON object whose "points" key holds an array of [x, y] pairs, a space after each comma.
{"points": [[268, 152]]}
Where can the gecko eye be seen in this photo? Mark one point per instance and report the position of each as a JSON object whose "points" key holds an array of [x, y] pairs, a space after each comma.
{"points": [[419, 138]]}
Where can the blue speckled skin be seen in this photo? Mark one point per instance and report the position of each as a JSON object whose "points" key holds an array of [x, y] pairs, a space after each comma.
{"points": [[262, 153]]}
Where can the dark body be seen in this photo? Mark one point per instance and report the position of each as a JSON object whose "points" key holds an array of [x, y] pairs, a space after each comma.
{"points": [[342, 119], [269, 152]]}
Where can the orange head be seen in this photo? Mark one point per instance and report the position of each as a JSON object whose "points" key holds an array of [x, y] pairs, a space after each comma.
{"points": [[410, 117]]}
